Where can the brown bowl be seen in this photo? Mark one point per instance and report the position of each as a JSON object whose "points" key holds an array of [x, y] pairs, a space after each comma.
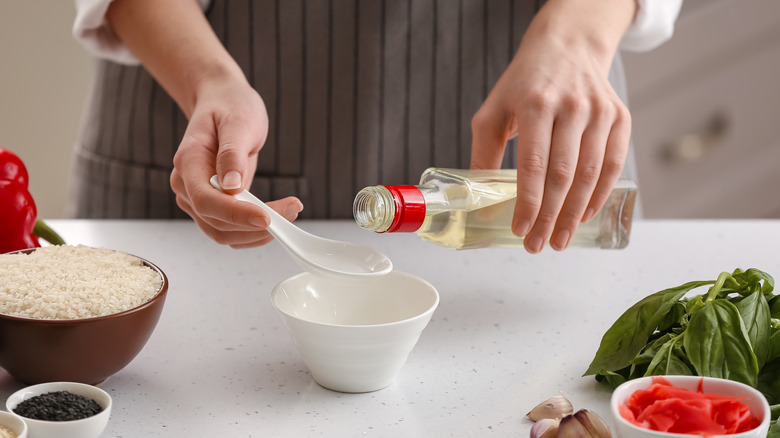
{"points": [[85, 350]]}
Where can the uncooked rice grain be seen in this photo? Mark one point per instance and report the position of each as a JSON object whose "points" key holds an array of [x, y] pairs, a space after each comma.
{"points": [[74, 282], [6, 432]]}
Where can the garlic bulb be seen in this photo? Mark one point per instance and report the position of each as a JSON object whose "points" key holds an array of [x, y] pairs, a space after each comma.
{"points": [[553, 418]]}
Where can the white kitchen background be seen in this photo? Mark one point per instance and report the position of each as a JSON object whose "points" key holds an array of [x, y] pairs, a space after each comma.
{"points": [[705, 107]]}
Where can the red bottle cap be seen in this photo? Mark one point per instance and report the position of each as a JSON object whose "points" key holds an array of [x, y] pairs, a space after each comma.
{"points": [[409, 209]]}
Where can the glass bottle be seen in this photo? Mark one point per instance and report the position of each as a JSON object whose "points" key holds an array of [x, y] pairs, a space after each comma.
{"points": [[466, 209]]}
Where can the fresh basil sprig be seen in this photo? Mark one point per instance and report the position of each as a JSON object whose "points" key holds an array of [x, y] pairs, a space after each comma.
{"points": [[732, 331]]}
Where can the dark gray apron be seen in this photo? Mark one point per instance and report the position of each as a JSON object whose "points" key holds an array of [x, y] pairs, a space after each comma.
{"points": [[358, 93]]}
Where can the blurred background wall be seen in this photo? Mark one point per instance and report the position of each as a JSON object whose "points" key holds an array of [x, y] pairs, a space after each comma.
{"points": [[705, 107], [706, 113], [44, 77]]}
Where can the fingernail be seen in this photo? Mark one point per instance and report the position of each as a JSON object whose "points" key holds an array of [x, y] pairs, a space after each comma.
{"points": [[535, 244], [259, 221], [294, 209], [588, 215], [522, 228], [561, 240], [231, 180]]}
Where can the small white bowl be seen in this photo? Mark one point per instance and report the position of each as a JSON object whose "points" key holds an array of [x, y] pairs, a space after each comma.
{"points": [[90, 427], [14, 424], [355, 336], [759, 407]]}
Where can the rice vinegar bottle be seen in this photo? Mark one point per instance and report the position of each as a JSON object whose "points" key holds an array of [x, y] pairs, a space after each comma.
{"points": [[467, 209]]}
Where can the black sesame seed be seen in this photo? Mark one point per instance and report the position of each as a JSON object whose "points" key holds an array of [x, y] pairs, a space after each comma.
{"points": [[58, 406]]}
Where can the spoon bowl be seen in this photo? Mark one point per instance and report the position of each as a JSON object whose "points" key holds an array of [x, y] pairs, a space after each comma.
{"points": [[316, 254]]}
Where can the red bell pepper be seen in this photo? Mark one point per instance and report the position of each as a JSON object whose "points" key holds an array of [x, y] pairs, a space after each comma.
{"points": [[19, 226], [12, 168]]}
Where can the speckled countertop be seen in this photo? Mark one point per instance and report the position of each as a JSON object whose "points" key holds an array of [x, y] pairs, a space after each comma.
{"points": [[511, 330]]}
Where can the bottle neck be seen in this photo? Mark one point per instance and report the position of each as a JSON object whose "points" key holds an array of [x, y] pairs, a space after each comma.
{"points": [[390, 209]]}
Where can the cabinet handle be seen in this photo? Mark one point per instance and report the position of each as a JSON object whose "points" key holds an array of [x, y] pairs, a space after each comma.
{"points": [[692, 147]]}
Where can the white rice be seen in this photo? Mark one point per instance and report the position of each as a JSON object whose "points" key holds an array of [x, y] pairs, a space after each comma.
{"points": [[73, 282], [6, 432]]}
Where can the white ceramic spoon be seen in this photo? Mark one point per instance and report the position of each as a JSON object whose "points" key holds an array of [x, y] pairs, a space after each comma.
{"points": [[316, 254]]}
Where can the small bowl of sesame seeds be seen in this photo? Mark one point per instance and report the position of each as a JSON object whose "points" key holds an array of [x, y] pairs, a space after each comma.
{"points": [[62, 409]]}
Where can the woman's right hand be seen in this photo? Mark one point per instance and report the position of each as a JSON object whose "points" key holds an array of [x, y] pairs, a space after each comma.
{"points": [[228, 123], [227, 129]]}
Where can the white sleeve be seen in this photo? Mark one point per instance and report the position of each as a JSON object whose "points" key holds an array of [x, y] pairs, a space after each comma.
{"points": [[653, 25], [91, 29]]}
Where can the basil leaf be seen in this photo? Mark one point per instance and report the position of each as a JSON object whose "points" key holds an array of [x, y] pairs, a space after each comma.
{"points": [[611, 378], [774, 345], [769, 382], [774, 307], [640, 363], [754, 311], [651, 349], [717, 343], [755, 275], [774, 430], [673, 318], [629, 334], [669, 361], [750, 281]]}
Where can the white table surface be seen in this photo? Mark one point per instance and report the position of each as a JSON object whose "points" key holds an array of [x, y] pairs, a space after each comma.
{"points": [[512, 329]]}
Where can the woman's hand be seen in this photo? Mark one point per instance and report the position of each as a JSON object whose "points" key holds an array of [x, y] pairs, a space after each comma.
{"points": [[228, 123], [228, 126], [572, 128]]}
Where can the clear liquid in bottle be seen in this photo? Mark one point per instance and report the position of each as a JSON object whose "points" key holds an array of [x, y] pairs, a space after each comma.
{"points": [[467, 209]]}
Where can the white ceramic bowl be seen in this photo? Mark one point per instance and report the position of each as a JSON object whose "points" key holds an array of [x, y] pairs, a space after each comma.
{"points": [[14, 424], [754, 399], [355, 336], [90, 427]]}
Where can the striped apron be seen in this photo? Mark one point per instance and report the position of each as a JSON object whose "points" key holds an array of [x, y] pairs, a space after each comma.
{"points": [[358, 93]]}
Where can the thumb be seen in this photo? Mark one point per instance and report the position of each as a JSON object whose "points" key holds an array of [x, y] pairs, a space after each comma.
{"points": [[489, 134]]}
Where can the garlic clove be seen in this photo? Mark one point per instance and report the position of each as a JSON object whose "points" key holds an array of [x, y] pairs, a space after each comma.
{"points": [[570, 427], [556, 407], [593, 423], [545, 428]]}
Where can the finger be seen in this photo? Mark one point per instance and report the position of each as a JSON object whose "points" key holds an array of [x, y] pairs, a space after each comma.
{"points": [[490, 128], [589, 164], [239, 139], [239, 239], [209, 204], [564, 150], [227, 216], [255, 244], [193, 163], [232, 237], [614, 160], [215, 224], [534, 127], [218, 209], [288, 207]]}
